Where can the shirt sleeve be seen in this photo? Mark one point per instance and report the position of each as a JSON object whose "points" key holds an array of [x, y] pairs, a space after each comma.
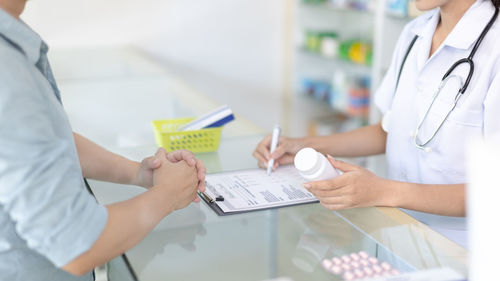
{"points": [[41, 185], [492, 105], [385, 92]]}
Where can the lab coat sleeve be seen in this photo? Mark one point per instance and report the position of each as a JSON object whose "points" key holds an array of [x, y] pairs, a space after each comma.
{"points": [[385, 92], [41, 184], [492, 105]]}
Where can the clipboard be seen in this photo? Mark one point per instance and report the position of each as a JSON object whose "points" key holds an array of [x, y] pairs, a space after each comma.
{"points": [[253, 190], [213, 205]]}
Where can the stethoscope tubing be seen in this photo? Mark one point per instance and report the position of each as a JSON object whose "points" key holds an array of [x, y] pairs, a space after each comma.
{"points": [[469, 61]]}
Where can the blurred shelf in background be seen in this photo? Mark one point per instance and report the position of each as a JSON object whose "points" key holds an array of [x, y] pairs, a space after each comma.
{"points": [[343, 49]]}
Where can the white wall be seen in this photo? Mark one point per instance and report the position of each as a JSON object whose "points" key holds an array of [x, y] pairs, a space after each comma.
{"points": [[240, 40]]}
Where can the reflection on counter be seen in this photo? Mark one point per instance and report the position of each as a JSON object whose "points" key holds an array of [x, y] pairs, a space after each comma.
{"points": [[324, 235], [179, 228]]}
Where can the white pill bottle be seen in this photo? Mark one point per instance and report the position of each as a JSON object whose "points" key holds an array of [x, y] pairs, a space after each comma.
{"points": [[313, 166]]}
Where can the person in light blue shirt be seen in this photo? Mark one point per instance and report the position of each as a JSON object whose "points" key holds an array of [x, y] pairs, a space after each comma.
{"points": [[51, 228]]}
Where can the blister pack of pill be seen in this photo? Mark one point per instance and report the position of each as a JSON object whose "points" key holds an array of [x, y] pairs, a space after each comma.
{"points": [[358, 266]]}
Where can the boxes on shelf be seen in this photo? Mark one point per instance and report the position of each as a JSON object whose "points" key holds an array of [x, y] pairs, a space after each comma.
{"points": [[397, 7], [345, 94], [361, 5], [328, 44], [357, 51]]}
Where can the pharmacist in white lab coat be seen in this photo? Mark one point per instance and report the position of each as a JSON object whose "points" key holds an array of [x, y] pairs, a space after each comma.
{"points": [[424, 141]]}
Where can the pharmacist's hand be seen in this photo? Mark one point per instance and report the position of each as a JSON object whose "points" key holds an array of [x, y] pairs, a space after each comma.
{"points": [[282, 155], [357, 187], [180, 179], [188, 156]]}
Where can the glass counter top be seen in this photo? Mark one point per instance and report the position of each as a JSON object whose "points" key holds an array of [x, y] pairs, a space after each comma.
{"points": [[112, 96], [196, 244]]}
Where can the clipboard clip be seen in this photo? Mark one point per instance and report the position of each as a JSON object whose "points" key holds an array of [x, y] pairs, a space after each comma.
{"points": [[209, 199]]}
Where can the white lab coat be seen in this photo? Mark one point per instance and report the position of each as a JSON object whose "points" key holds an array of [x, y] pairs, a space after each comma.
{"points": [[476, 116]]}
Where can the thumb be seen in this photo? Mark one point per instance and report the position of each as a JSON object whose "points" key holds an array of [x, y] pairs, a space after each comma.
{"points": [[342, 166], [161, 154], [278, 152], [152, 162]]}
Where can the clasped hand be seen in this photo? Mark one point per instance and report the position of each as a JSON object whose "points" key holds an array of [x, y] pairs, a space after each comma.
{"points": [[180, 170]]}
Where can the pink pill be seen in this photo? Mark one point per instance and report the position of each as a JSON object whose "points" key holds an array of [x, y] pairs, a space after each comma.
{"points": [[327, 264], [355, 256], [336, 269], [386, 266], [355, 264], [349, 276], [363, 255], [368, 271], [359, 273], [395, 272], [364, 262], [373, 260], [336, 261], [345, 258], [346, 267], [377, 268]]}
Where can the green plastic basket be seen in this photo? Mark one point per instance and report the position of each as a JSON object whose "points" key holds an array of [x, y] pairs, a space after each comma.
{"points": [[167, 136]]}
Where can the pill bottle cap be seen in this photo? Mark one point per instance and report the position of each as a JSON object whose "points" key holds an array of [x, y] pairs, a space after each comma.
{"points": [[306, 160]]}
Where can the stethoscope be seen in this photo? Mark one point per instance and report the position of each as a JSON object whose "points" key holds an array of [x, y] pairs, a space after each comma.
{"points": [[447, 76]]}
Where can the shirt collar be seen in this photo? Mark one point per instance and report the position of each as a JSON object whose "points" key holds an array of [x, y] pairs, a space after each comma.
{"points": [[467, 30], [18, 33]]}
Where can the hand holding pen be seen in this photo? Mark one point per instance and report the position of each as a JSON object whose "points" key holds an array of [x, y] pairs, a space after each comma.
{"points": [[283, 154], [274, 143]]}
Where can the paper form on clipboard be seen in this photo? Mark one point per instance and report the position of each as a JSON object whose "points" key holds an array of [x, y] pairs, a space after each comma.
{"points": [[252, 190]]}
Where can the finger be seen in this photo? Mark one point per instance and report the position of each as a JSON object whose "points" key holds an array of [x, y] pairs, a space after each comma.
{"points": [[343, 166], [180, 155], [324, 185], [286, 159], [161, 153], [196, 199], [202, 171], [262, 165], [278, 152], [262, 162], [201, 186], [275, 165], [263, 147], [152, 162], [260, 159], [326, 194]]}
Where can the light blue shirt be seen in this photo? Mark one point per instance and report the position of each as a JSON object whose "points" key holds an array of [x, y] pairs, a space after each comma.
{"points": [[47, 217]]}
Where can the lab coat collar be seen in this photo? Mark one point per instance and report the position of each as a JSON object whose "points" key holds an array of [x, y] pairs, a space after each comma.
{"points": [[424, 27], [17, 33], [425, 22]]}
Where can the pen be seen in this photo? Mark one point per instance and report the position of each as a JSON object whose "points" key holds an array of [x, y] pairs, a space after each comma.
{"points": [[274, 144]]}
